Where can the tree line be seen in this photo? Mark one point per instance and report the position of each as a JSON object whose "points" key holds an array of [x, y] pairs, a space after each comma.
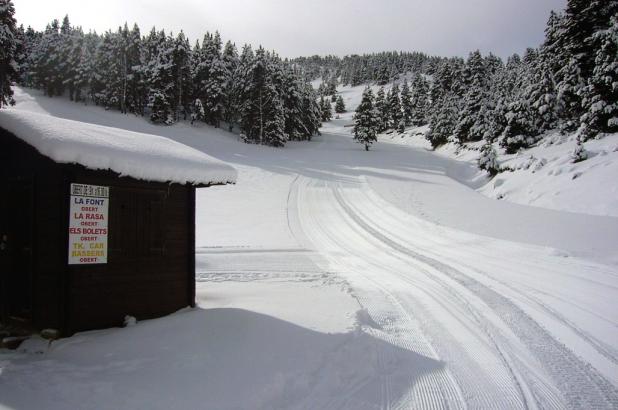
{"points": [[163, 77], [569, 83]]}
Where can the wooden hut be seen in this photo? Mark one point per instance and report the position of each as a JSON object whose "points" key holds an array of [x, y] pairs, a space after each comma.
{"points": [[96, 223]]}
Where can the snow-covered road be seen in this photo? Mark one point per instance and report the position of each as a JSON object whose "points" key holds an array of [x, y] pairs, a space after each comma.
{"points": [[468, 301]]}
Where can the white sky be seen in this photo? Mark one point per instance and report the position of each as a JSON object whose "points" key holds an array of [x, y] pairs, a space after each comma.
{"points": [[306, 27]]}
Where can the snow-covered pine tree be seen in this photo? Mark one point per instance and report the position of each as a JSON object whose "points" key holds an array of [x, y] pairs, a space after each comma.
{"points": [[601, 92], [215, 86], [504, 83], [581, 20], [85, 74], [230, 62], [242, 83], [419, 100], [488, 159], [326, 109], [406, 103], [25, 61], [394, 107], [541, 93], [8, 49], [579, 152], [381, 107], [383, 74], [568, 95], [331, 85], [72, 44], [181, 72], [520, 131], [366, 120], [197, 111], [339, 105], [291, 95], [263, 115], [442, 122], [107, 86], [161, 95], [136, 72], [311, 113], [209, 90], [445, 100], [475, 81], [47, 61]]}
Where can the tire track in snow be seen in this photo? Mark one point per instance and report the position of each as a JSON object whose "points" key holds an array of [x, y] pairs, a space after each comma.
{"points": [[581, 385], [434, 391], [525, 399], [476, 395], [557, 267]]}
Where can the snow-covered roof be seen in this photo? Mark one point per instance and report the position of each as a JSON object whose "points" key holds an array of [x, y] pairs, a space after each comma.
{"points": [[138, 155]]}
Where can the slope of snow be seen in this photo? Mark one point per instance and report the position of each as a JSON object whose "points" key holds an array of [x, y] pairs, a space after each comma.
{"points": [[330, 277], [138, 155], [543, 176]]}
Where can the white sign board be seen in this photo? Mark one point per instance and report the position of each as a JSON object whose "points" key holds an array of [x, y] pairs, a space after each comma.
{"points": [[88, 224]]}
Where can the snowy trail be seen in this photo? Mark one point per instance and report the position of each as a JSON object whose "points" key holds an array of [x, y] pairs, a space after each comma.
{"points": [[438, 302]]}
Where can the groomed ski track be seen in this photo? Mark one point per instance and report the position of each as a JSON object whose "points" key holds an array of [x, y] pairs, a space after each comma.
{"points": [[465, 300]]}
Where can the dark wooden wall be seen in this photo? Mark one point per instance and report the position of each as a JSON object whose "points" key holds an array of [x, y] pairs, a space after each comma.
{"points": [[151, 245]]}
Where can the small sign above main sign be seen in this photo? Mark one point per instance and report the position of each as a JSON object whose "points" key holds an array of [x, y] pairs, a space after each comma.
{"points": [[88, 227]]}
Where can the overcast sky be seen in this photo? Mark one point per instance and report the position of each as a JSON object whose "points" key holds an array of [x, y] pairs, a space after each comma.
{"points": [[306, 27]]}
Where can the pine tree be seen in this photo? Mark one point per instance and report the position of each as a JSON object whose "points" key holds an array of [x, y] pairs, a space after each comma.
{"points": [[444, 100], [381, 107], [601, 92], [108, 72], [366, 120], [263, 115], [85, 81], [230, 62], [419, 101], [311, 121], [406, 104], [475, 77], [47, 61], [25, 56], [519, 131], [579, 153], [488, 160], [162, 84], [339, 105], [327, 112], [394, 108], [197, 111], [331, 85], [442, 122], [8, 49], [136, 72], [541, 94], [210, 78], [181, 73], [298, 117]]}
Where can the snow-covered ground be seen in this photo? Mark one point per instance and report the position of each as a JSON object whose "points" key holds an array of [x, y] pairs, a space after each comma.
{"points": [[331, 277]]}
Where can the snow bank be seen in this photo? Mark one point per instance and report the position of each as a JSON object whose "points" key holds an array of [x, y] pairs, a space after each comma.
{"points": [[138, 155], [543, 176]]}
